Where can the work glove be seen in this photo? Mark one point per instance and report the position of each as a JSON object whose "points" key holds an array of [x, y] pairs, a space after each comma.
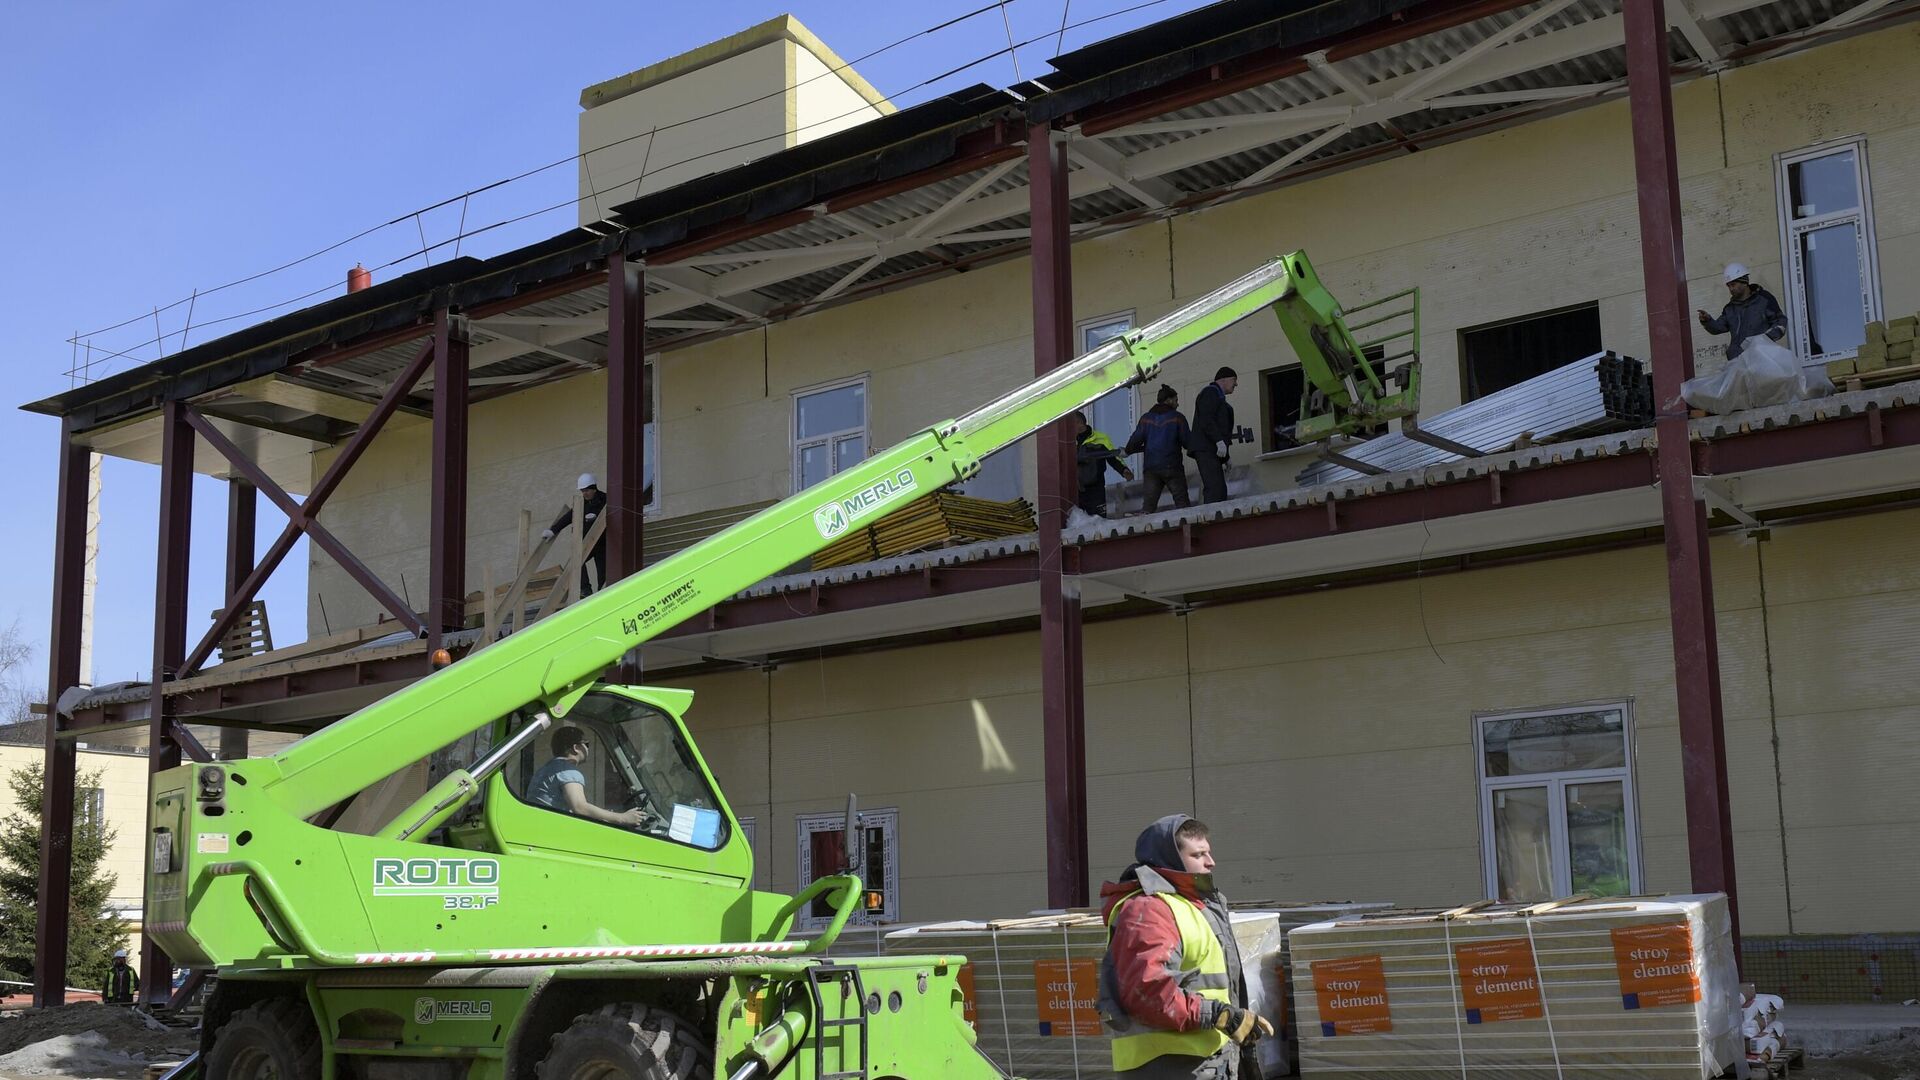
{"points": [[1127, 474], [1241, 1025], [547, 535]]}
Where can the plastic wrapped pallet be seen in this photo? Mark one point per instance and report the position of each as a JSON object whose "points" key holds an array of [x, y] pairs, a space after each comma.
{"points": [[1033, 988], [856, 940], [1641, 988], [1292, 915]]}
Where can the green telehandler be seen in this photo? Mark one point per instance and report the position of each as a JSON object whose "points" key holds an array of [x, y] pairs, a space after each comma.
{"points": [[490, 930]]}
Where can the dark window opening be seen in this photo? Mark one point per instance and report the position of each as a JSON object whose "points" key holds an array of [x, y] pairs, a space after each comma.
{"points": [[1280, 391], [1497, 356]]}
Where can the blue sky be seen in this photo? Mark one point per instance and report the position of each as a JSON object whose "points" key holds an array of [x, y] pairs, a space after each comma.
{"points": [[158, 149]]}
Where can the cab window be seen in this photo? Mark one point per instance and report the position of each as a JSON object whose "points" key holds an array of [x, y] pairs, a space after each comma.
{"points": [[622, 764]]}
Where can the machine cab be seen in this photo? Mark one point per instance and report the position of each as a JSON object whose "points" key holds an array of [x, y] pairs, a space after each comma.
{"points": [[617, 777]]}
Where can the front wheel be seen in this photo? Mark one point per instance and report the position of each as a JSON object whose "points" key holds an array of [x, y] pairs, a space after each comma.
{"points": [[627, 1042], [269, 1040]]}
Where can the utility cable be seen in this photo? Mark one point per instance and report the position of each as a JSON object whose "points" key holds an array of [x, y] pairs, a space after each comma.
{"points": [[456, 240], [362, 234]]}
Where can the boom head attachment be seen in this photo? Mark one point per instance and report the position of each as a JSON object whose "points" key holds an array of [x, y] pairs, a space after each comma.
{"points": [[1351, 386]]}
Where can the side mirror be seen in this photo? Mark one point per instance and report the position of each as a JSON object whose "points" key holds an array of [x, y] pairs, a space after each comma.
{"points": [[854, 840]]}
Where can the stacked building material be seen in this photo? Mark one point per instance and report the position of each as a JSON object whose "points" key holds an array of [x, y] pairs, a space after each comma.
{"points": [[1293, 914], [1626, 389], [855, 547], [1630, 987], [934, 521], [1591, 396], [1888, 353], [943, 518], [1033, 988], [1765, 1031]]}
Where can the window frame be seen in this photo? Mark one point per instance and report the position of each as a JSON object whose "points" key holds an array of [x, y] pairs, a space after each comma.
{"points": [[90, 808], [1792, 275], [750, 831], [650, 437], [1132, 318], [1555, 783], [865, 430], [887, 818]]}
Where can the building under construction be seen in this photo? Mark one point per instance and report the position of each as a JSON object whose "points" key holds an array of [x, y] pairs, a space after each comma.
{"points": [[1648, 657]]}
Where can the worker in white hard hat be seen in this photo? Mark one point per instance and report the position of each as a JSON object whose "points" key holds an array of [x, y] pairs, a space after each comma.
{"points": [[1751, 311], [593, 502], [122, 984]]}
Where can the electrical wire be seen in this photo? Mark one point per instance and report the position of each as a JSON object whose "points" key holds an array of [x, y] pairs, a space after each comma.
{"points": [[425, 250], [362, 234]]}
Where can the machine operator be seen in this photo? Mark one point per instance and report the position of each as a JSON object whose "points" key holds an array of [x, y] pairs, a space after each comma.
{"points": [[561, 785]]}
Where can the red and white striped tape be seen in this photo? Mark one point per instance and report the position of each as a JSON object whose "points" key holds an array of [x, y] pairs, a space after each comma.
{"points": [[393, 958], [593, 952], [597, 952]]}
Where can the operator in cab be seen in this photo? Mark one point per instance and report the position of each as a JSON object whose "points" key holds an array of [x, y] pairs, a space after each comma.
{"points": [[561, 785], [1171, 985]]}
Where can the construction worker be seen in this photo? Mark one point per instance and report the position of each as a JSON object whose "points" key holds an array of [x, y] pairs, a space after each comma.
{"points": [[1213, 433], [122, 984], [1161, 435], [1750, 312], [1171, 984], [561, 784], [592, 503], [1096, 453]]}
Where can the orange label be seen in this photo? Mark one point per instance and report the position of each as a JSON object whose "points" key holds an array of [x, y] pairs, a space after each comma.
{"points": [[1066, 996], [1655, 965], [1498, 981], [966, 989], [1353, 996]]}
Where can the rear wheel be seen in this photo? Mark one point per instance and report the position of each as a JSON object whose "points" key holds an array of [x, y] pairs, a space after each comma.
{"points": [[269, 1040], [627, 1042]]}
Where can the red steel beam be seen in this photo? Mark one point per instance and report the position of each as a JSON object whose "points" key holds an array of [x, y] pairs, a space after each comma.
{"points": [[243, 502], [1839, 437], [169, 631], [1062, 688], [1696, 652], [55, 891], [447, 501], [302, 518], [298, 516], [626, 415]]}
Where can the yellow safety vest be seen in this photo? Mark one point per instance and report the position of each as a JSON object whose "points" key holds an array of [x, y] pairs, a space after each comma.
{"points": [[1203, 971]]}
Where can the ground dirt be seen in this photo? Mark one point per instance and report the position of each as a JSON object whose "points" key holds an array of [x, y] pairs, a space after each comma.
{"points": [[90, 1041], [1896, 1058]]}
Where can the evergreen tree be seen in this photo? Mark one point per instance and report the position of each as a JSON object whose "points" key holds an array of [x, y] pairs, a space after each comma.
{"points": [[94, 929]]}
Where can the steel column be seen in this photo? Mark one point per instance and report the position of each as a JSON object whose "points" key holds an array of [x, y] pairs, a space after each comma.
{"points": [[243, 502], [626, 415], [169, 633], [63, 670], [1061, 676], [447, 541], [1696, 652]]}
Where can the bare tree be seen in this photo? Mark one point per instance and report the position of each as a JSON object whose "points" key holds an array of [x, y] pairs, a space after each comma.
{"points": [[17, 691]]}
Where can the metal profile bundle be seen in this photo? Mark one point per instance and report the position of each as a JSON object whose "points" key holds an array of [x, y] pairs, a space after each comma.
{"points": [[1599, 393]]}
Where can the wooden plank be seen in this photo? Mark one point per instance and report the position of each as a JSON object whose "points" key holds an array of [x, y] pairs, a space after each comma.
{"points": [[570, 574]]}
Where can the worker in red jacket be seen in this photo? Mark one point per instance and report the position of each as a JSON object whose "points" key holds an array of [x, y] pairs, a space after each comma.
{"points": [[1171, 985]]}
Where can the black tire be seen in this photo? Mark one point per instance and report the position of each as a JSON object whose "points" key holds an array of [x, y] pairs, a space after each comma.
{"points": [[627, 1042], [268, 1040]]}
